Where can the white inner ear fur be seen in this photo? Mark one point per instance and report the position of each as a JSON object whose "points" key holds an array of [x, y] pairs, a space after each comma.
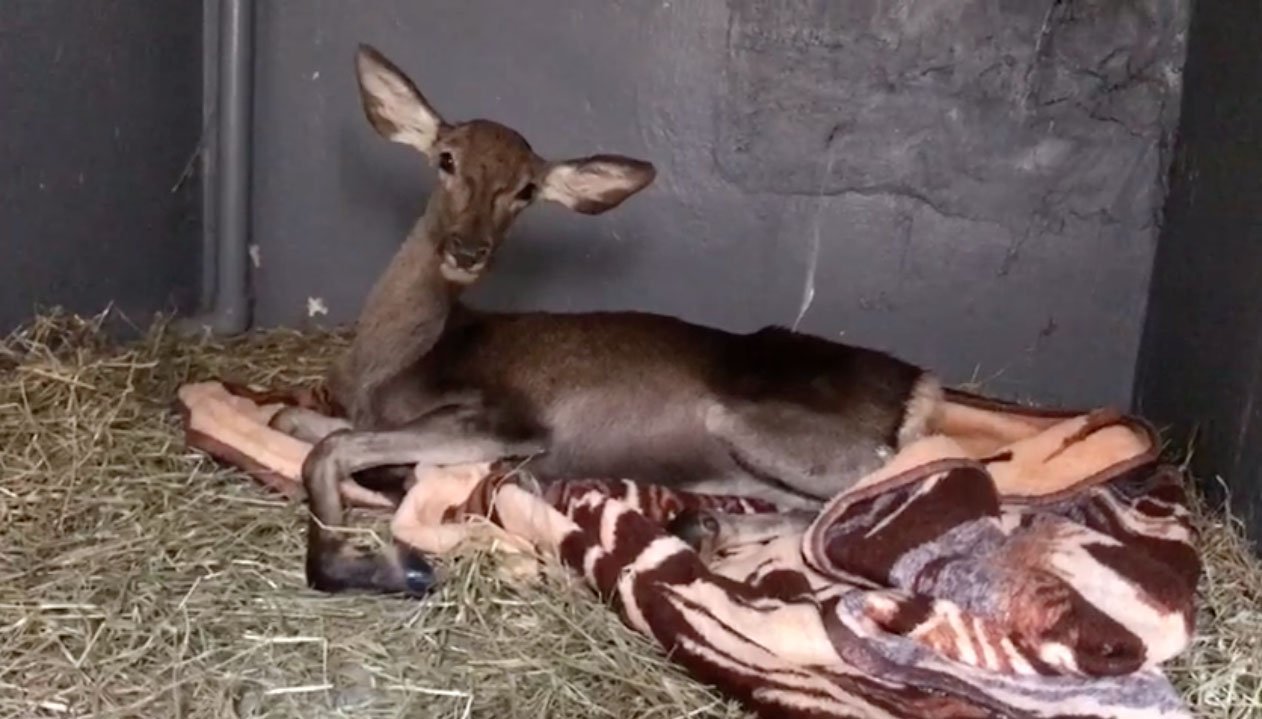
{"points": [[593, 181], [399, 104]]}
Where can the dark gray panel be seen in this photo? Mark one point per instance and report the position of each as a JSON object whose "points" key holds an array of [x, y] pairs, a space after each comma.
{"points": [[1201, 365], [1013, 242], [101, 112]]}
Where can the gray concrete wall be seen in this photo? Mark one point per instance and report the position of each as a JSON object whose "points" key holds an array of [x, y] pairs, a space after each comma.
{"points": [[972, 184], [100, 114], [1200, 372]]}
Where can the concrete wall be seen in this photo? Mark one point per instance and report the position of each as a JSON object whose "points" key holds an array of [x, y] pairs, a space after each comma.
{"points": [[1201, 366], [972, 184], [100, 114]]}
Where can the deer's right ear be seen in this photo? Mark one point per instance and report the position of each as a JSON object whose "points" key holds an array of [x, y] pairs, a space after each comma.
{"points": [[396, 109]]}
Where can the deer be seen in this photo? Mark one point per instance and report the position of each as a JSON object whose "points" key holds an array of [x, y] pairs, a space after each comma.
{"points": [[428, 380]]}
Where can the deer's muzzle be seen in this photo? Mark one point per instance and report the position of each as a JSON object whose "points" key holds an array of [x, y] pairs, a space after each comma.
{"points": [[467, 255]]}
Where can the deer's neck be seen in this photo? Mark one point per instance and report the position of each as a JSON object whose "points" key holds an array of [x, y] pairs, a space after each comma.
{"points": [[402, 319]]}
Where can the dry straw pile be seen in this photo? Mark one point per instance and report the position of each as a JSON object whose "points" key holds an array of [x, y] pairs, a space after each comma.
{"points": [[140, 580]]}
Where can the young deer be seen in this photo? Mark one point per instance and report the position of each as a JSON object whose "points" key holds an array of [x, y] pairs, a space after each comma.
{"points": [[773, 414]]}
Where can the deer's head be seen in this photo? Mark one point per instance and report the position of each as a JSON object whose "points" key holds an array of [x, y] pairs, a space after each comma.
{"points": [[487, 173]]}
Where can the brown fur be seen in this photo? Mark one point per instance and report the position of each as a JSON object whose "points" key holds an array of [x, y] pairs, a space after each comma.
{"points": [[774, 414]]}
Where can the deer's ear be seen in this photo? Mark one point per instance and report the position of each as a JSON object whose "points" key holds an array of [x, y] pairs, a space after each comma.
{"points": [[595, 184], [396, 109]]}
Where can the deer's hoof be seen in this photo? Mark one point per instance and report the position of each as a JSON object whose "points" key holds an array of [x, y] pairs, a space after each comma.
{"points": [[695, 527], [419, 576]]}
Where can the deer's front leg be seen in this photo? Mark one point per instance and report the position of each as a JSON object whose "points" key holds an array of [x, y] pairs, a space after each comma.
{"points": [[310, 426], [445, 437], [306, 424]]}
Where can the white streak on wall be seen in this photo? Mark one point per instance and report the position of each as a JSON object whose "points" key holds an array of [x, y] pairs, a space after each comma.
{"points": [[812, 257], [316, 306]]}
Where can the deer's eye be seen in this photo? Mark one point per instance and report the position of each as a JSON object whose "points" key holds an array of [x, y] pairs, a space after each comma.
{"points": [[446, 163], [527, 193]]}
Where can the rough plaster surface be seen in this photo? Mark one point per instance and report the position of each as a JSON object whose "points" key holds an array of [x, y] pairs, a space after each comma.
{"points": [[1021, 113], [972, 184]]}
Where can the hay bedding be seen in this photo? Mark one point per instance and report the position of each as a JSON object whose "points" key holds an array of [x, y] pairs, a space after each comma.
{"points": [[137, 579], [140, 580]]}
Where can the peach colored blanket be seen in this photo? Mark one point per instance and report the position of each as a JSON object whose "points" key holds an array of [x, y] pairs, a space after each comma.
{"points": [[1018, 563]]}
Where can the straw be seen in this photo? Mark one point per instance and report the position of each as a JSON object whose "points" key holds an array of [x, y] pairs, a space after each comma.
{"points": [[138, 579]]}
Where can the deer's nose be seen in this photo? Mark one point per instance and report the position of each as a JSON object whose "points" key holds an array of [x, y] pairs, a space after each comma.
{"points": [[467, 254]]}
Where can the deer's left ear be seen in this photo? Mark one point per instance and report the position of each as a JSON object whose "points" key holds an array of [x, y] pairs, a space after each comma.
{"points": [[595, 184]]}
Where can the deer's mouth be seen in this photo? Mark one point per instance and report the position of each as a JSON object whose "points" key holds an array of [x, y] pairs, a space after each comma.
{"points": [[464, 259], [461, 273]]}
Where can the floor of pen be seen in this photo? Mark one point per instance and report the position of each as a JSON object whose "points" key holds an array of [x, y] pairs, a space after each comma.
{"points": [[138, 579]]}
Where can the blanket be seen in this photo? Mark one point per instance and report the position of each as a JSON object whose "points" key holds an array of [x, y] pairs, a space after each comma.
{"points": [[1016, 563]]}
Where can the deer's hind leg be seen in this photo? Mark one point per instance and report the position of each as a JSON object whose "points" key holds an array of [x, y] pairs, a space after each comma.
{"points": [[796, 450], [453, 435], [710, 532], [816, 453], [307, 424]]}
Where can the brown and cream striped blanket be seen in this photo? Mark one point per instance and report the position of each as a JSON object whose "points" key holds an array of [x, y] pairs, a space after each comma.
{"points": [[1018, 563]]}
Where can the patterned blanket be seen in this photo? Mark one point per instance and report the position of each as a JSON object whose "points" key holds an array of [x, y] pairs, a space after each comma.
{"points": [[1018, 563]]}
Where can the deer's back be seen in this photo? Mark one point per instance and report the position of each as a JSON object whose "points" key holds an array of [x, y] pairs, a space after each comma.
{"points": [[626, 392], [544, 357]]}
